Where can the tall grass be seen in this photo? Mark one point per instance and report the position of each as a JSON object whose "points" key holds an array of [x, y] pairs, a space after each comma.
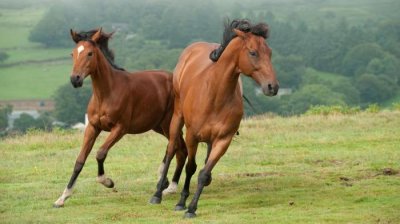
{"points": [[306, 169]]}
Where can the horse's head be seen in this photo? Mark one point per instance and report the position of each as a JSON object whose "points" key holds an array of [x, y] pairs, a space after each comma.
{"points": [[255, 59], [84, 54]]}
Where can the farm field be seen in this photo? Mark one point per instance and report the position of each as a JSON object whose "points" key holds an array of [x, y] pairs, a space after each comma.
{"points": [[31, 71], [306, 169]]}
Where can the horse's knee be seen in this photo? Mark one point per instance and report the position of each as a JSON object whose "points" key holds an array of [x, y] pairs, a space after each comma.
{"points": [[101, 155], [204, 178]]}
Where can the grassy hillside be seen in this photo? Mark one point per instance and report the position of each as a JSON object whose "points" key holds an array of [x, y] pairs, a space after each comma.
{"points": [[31, 71], [308, 169]]}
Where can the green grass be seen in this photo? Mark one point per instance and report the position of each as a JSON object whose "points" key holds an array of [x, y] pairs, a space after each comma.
{"points": [[15, 26], [278, 170], [25, 79], [23, 55], [33, 81]]}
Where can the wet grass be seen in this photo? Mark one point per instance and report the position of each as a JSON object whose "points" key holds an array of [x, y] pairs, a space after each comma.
{"points": [[308, 169]]}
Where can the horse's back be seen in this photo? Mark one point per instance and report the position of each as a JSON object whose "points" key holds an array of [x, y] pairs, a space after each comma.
{"points": [[193, 61]]}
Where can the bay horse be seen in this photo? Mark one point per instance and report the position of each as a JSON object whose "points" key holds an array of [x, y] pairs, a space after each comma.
{"points": [[121, 103], [208, 100]]}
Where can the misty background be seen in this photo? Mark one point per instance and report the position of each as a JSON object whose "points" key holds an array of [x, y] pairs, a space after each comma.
{"points": [[325, 52]]}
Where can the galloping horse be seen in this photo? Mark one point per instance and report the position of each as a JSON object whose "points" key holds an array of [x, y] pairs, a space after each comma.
{"points": [[122, 103], [208, 100]]}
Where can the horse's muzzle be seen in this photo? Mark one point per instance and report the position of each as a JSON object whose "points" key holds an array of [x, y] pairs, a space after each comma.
{"points": [[270, 89], [77, 81]]}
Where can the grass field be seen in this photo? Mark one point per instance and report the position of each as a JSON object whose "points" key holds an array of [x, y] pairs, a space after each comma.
{"points": [[33, 80], [31, 75], [308, 169]]}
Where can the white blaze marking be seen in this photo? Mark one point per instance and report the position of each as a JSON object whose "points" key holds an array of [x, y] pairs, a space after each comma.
{"points": [[80, 49]]}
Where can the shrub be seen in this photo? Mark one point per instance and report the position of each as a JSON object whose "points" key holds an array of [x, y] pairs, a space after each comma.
{"points": [[332, 110]]}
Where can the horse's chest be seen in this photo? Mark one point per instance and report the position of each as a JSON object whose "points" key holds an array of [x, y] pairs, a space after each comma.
{"points": [[103, 121]]}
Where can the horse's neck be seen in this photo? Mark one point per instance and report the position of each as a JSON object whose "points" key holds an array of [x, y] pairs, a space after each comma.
{"points": [[226, 75], [103, 78]]}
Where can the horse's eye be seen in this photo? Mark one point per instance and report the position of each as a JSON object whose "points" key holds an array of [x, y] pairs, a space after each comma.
{"points": [[253, 53], [90, 54]]}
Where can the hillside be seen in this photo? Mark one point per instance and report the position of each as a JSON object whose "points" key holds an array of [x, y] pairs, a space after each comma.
{"points": [[306, 169], [325, 52]]}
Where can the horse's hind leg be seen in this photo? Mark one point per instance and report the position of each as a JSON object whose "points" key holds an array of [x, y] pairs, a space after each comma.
{"points": [[191, 167], [90, 136], [181, 154], [115, 135], [175, 130]]}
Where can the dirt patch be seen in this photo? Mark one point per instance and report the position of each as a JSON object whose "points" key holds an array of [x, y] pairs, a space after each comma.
{"points": [[389, 172]]}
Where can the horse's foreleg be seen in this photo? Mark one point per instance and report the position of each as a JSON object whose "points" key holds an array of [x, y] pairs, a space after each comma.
{"points": [[91, 134], [115, 135], [219, 148]]}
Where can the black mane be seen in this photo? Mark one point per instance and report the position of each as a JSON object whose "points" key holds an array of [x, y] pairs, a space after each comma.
{"points": [[243, 25], [102, 43]]}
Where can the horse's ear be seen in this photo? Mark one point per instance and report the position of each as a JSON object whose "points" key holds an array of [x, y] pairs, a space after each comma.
{"points": [[240, 33], [75, 37], [96, 37], [109, 35]]}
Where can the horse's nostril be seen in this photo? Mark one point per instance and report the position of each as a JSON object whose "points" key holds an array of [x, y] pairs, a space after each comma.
{"points": [[269, 87], [78, 77]]}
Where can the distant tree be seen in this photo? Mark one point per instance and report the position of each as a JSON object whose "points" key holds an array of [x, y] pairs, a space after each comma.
{"points": [[375, 89], [310, 95], [71, 104], [290, 70], [3, 56], [4, 113], [358, 58], [388, 36], [24, 122]]}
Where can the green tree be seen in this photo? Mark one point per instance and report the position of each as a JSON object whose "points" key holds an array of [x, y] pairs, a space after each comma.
{"points": [[4, 113], [358, 58], [375, 89], [310, 95], [290, 70], [3, 56], [24, 122], [71, 104]]}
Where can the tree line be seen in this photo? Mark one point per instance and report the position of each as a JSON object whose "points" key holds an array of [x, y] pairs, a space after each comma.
{"points": [[331, 63]]}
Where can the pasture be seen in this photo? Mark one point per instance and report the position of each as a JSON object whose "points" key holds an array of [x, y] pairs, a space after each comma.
{"points": [[307, 169]]}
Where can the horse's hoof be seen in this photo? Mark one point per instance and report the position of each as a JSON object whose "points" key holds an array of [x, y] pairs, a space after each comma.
{"points": [[180, 207], [155, 200], [109, 183], [58, 206], [189, 215]]}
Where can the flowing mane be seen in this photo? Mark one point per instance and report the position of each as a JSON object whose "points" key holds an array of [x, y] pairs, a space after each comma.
{"points": [[102, 43], [244, 25]]}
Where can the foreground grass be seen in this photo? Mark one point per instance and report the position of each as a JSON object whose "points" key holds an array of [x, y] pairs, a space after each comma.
{"points": [[309, 169]]}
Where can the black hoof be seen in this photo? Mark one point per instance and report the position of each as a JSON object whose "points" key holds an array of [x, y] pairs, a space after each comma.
{"points": [[155, 200], [111, 185], [57, 206], [189, 215], [180, 207]]}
